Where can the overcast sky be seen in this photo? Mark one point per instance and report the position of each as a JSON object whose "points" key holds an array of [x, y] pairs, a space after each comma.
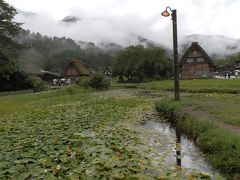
{"points": [[117, 20]]}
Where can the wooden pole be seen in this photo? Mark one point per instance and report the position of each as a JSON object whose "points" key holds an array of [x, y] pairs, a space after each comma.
{"points": [[175, 53]]}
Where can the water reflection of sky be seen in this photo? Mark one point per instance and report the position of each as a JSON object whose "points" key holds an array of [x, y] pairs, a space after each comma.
{"points": [[192, 158]]}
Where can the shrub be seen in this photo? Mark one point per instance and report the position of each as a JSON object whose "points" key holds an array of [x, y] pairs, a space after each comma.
{"points": [[96, 81], [169, 109], [84, 81], [99, 82], [18, 80], [38, 84]]}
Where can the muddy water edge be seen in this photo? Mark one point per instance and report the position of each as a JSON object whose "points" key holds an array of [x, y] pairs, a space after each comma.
{"points": [[183, 152]]}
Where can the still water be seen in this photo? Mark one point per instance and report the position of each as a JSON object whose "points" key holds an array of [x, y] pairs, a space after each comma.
{"points": [[184, 153]]}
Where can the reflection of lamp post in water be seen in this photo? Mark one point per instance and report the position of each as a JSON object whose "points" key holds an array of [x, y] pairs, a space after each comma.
{"points": [[175, 50], [178, 148]]}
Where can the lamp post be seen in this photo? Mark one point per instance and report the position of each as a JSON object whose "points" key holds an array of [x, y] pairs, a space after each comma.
{"points": [[175, 50]]}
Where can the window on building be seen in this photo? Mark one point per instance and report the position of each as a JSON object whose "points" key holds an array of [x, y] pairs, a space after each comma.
{"points": [[200, 59], [189, 60], [195, 52]]}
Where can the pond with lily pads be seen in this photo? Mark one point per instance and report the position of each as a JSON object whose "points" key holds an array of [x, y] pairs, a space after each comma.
{"points": [[82, 134]]}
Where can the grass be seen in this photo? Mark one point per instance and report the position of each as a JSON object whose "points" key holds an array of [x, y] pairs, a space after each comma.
{"points": [[223, 107], [218, 107], [79, 134], [218, 97], [221, 146], [15, 92], [194, 86]]}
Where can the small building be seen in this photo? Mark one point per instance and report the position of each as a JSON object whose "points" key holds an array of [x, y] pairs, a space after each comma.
{"points": [[75, 70], [228, 69], [108, 71], [196, 63], [46, 76]]}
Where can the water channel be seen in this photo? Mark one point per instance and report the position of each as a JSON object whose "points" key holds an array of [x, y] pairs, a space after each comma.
{"points": [[184, 152]]}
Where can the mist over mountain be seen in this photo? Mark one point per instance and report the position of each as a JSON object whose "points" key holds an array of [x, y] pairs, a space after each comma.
{"points": [[216, 46], [26, 14], [54, 53], [112, 34], [70, 19]]}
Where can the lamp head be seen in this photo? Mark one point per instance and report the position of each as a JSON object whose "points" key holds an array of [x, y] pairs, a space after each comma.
{"points": [[165, 13]]}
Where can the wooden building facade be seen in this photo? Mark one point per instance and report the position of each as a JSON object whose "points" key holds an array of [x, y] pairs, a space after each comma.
{"points": [[196, 63], [75, 70], [46, 76], [231, 66]]}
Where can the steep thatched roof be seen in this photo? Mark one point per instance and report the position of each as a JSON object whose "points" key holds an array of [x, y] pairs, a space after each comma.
{"points": [[196, 46], [108, 70], [76, 68]]}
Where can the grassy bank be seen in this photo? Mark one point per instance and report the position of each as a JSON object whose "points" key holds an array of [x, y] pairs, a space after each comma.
{"points": [[221, 107], [217, 97], [80, 134], [193, 86], [222, 147]]}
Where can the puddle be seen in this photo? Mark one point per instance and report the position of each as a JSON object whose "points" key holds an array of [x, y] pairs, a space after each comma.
{"points": [[184, 148]]}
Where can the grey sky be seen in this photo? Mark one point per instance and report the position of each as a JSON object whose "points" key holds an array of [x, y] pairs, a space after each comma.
{"points": [[118, 20]]}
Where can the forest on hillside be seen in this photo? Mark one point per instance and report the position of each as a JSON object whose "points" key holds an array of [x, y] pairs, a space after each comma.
{"points": [[23, 52], [54, 53]]}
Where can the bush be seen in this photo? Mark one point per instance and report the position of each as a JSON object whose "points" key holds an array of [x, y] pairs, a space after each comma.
{"points": [[99, 82], [96, 81], [18, 80], [169, 109], [84, 81], [38, 84], [223, 149]]}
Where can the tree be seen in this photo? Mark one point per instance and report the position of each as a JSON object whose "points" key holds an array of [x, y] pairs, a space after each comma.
{"points": [[141, 64], [7, 67], [8, 47], [8, 29]]}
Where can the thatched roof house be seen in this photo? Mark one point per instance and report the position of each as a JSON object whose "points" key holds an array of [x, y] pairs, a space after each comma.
{"points": [[196, 63], [108, 71], [75, 70]]}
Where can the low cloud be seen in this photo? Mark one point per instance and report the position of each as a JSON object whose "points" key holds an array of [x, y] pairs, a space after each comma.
{"points": [[122, 30], [215, 18]]}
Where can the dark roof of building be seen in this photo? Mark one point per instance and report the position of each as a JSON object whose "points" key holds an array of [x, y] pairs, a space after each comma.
{"points": [[43, 73], [229, 65], [196, 46], [108, 70], [82, 70]]}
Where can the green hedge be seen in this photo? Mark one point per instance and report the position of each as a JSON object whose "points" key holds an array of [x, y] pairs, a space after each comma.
{"points": [[96, 81]]}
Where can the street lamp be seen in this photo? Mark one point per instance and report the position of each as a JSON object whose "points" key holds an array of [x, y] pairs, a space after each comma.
{"points": [[175, 50]]}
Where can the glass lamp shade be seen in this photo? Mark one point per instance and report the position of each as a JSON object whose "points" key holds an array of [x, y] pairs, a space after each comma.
{"points": [[165, 13]]}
